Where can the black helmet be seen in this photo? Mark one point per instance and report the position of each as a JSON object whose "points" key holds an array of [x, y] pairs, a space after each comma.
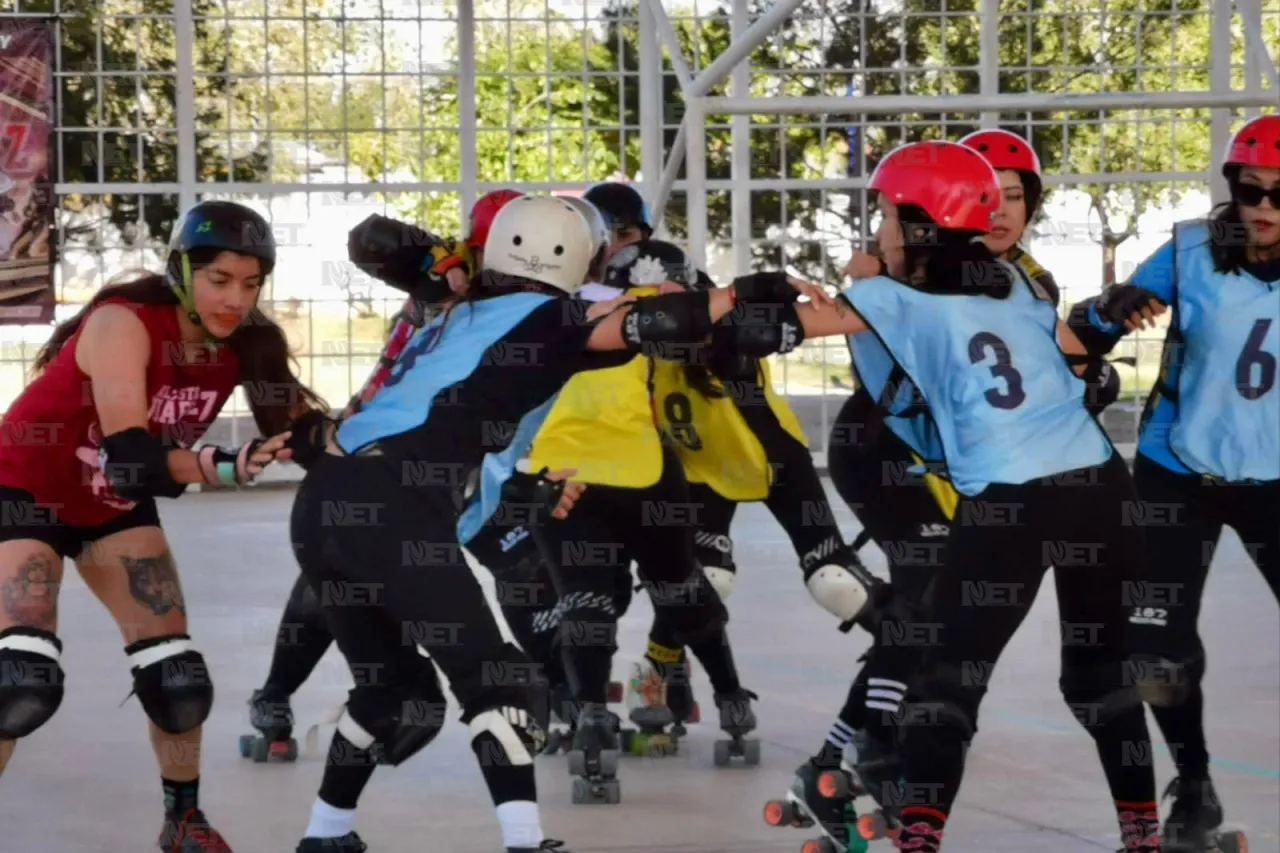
{"points": [[223, 225], [650, 263], [621, 204]]}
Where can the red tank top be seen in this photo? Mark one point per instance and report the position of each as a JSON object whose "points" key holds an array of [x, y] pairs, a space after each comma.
{"points": [[50, 436]]}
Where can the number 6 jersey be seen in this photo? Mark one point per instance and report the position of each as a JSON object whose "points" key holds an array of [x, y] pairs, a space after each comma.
{"points": [[50, 437], [1006, 406]]}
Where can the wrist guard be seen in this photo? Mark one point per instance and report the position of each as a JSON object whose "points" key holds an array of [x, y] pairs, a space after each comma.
{"points": [[533, 492], [222, 467], [757, 330], [310, 434], [671, 327], [1116, 304]]}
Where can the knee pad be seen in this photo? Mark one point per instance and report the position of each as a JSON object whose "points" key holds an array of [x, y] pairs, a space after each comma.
{"points": [[172, 682], [1162, 682], [840, 583], [946, 696], [31, 680], [721, 579], [395, 723], [504, 734], [1097, 693], [504, 676]]}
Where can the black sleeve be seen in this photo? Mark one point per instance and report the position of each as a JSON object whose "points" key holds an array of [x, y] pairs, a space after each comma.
{"points": [[554, 338]]}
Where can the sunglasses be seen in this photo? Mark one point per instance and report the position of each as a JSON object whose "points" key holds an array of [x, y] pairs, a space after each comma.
{"points": [[1251, 195]]}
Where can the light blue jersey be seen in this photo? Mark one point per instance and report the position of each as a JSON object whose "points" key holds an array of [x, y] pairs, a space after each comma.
{"points": [[1006, 406], [1216, 409], [440, 355], [877, 371]]}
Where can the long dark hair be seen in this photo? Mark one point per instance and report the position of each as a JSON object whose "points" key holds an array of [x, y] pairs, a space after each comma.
{"points": [[268, 370], [1227, 243], [948, 260]]}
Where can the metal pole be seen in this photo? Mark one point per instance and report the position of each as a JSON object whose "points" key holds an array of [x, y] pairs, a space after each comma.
{"points": [[667, 35], [467, 104], [1219, 83], [740, 47], [651, 118], [989, 57], [668, 180], [1021, 102], [740, 142], [1255, 47], [695, 173], [185, 101]]}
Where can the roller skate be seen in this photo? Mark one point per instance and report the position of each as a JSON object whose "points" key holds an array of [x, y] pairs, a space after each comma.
{"points": [[349, 843], [647, 709], [564, 717], [191, 833], [593, 758], [806, 805], [684, 708], [870, 766], [270, 714], [737, 720], [1194, 820]]}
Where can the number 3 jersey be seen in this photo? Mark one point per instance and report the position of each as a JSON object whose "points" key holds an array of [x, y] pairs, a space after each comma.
{"points": [[50, 437], [1006, 406]]}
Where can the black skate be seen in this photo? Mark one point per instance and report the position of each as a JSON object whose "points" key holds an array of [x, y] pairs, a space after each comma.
{"points": [[806, 805], [349, 843], [270, 714], [1194, 821], [873, 768], [593, 758], [191, 833], [564, 717], [737, 720]]}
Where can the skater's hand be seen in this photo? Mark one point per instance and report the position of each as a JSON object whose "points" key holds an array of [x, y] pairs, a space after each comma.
{"points": [[271, 450], [568, 497], [458, 281], [863, 265]]}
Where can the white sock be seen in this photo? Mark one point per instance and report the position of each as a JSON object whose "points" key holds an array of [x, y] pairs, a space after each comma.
{"points": [[521, 826], [329, 821]]}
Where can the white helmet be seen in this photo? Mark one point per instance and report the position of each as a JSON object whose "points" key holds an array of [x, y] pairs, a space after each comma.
{"points": [[543, 239], [599, 227]]}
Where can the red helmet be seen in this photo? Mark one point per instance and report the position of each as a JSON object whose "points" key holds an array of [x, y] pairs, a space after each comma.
{"points": [[482, 213], [1004, 150], [1255, 144], [952, 183]]}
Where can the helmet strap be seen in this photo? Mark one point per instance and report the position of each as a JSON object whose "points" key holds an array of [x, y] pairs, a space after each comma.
{"points": [[183, 290]]}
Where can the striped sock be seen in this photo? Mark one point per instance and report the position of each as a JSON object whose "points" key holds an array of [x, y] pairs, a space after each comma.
{"points": [[1139, 826]]}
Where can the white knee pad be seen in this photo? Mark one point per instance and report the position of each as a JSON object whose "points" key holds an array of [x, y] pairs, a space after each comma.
{"points": [[514, 729], [839, 592], [721, 580]]}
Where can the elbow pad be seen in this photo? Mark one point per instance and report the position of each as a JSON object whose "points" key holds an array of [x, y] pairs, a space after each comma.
{"points": [[310, 434], [136, 465], [671, 327], [757, 330], [1102, 386]]}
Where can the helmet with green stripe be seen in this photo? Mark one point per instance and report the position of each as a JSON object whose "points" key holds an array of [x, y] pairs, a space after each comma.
{"points": [[207, 229]]}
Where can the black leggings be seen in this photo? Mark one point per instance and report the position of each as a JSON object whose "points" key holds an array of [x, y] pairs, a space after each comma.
{"points": [[301, 641], [1000, 544], [589, 555], [1183, 517]]}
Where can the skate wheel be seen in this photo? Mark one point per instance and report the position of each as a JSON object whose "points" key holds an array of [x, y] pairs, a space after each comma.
{"points": [[833, 785], [1233, 842], [751, 752], [246, 745], [820, 845], [260, 751], [609, 762], [779, 813], [592, 792], [616, 692], [873, 826], [285, 750], [577, 764], [720, 754]]}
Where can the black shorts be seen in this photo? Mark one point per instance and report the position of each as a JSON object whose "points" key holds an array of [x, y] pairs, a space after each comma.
{"points": [[22, 518]]}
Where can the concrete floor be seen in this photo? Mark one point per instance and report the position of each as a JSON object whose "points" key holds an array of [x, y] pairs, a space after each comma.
{"points": [[86, 783]]}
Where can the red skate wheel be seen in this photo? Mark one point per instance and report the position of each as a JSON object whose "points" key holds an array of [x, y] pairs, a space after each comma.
{"points": [[832, 785], [871, 826], [777, 813], [615, 692], [811, 846]]}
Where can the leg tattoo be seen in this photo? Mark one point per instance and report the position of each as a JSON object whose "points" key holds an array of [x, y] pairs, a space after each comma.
{"points": [[31, 598], [153, 582]]}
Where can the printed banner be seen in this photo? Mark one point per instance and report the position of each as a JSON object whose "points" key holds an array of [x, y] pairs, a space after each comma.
{"points": [[27, 202]]}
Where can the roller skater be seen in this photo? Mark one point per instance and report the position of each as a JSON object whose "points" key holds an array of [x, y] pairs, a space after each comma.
{"points": [[135, 379], [1012, 423], [1209, 447], [513, 303]]}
